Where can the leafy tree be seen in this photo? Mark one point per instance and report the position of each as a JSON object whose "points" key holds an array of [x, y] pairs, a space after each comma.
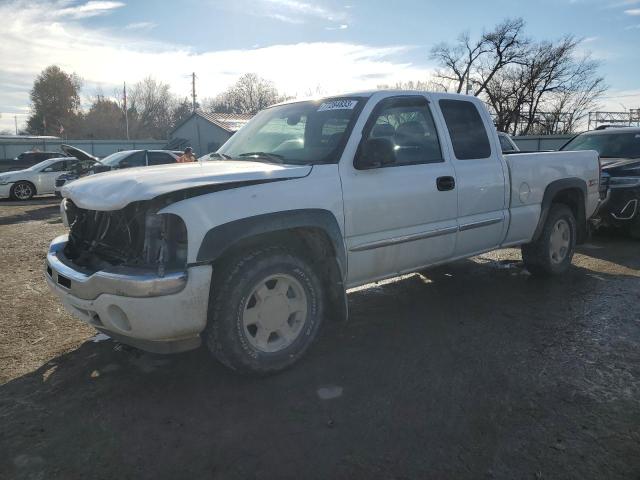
{"points": [[55, 102], [104, 120]]}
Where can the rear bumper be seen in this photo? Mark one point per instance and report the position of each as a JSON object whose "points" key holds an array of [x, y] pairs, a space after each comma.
{"points": [[157, 314]]}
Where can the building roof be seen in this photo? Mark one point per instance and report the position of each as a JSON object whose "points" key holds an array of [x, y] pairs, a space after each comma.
{"points": [[230, 122]]}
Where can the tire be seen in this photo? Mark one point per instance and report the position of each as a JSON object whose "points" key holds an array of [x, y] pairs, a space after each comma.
{"points": [[23, 191], [265, 311], [552, 252]]}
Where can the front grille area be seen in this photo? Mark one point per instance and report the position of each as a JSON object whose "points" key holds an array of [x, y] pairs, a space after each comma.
{"points": [[112, 237]]}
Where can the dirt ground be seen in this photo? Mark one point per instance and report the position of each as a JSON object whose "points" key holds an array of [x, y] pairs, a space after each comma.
{"points": [[475, 370]]}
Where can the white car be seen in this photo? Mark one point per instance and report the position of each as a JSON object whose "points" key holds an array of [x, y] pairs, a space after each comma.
{"points": [[39, 179], [250, 253]]}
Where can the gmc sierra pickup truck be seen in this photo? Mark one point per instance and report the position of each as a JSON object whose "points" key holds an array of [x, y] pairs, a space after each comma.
{"points": [[250, 252]]}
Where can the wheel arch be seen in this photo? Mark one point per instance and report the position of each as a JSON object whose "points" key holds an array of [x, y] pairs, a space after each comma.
{"points": [[571, 192], [312, 233]]}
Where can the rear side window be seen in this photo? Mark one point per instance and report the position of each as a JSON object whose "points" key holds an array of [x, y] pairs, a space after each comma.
{"points": [[466, 129], [160, 158]]}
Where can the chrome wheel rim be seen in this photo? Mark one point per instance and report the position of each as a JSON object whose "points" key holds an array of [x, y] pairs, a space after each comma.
{"points": [[275, 313], [559, 242], [22, 191]]}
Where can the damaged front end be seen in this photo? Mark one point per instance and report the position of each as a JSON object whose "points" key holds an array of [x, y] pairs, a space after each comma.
{"points": [[135, 236]]}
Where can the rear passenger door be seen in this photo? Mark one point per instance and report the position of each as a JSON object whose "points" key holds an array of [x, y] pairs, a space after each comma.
{"points": [[480, 179]]}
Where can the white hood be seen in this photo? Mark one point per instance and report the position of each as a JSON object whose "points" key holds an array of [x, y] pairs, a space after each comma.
{"points": [[116, 189]]}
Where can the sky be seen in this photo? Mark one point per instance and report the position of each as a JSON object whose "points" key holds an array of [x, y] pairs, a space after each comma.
{"points": [[303, 46]]}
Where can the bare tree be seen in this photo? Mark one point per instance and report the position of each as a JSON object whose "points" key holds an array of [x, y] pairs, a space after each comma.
{"points": [[475, 62], [150, 109], [530, 87], [249, 94]]}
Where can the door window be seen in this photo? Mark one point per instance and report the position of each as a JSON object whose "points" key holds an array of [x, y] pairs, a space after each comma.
{"points": [[466, 129], [407, 124], [160, 158], [137, 159], [56, 167]]}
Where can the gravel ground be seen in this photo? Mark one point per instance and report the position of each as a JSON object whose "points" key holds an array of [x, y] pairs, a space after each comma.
{"points": [[473, 370]]}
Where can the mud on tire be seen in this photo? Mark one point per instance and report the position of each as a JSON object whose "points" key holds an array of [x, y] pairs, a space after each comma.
{"points": [[235, 287], [559, 229]]}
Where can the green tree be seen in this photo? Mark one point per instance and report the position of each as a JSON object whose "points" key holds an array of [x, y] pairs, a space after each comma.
{"points": [[104, 120], [55, 103]]}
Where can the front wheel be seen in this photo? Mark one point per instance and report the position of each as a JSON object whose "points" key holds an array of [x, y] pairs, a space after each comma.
{"points": [[23, 191], [552, 252], [265, 311]]}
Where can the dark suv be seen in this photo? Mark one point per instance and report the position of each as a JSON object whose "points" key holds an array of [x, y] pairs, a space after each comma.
{"points": [[619, 150], [27, 159]]}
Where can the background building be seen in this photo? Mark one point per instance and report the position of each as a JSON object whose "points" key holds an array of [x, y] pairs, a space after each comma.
{"points": [[206, 132]]}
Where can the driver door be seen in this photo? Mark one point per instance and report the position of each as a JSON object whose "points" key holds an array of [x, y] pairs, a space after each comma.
{"points": [[400, 215]]}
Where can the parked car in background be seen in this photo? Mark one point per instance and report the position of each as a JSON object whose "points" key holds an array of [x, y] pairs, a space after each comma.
{"points": [[135, 158], [507, 144], [36, 180], [80, 169], [88, 164], [619, 150], [27, 159]]}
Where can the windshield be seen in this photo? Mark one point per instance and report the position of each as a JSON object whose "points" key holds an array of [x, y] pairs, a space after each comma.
{"points": [[297, 133], [609, 145], [114, 159]]}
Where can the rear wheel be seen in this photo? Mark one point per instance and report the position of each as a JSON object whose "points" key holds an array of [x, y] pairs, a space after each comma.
{"points": [[265, 311], [552, 252], [23, 191]]}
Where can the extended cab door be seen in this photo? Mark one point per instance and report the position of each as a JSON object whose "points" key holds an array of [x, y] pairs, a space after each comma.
{"points": [[400, 213], [480, 177]]}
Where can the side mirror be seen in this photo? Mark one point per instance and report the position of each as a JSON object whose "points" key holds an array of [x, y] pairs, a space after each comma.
{"points": [[124, 164], [47, 170], [375, 153]]}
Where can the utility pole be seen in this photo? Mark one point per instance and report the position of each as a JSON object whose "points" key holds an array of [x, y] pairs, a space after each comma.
{"points": [[15, 119], [193, 89], [126, 111]]}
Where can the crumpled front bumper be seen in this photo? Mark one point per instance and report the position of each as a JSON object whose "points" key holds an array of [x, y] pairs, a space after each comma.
{"points": [[161, 314]]}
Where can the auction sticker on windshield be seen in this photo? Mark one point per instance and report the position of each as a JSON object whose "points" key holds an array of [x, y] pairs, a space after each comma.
{"points": [[338, 105]]}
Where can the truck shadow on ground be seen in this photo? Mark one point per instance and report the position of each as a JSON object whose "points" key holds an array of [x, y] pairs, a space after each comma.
{"points": [[464, 371]]}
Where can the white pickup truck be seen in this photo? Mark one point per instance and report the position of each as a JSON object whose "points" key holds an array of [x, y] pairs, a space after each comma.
{"points": [[250, 249]]}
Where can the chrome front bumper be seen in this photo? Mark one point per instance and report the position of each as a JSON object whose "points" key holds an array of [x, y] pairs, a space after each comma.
{"points": [[123, 281], [158, 314]]}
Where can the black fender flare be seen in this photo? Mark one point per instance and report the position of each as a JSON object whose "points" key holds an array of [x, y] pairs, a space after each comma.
{"points": [[220, 238], [553, 189], [223, 237]]}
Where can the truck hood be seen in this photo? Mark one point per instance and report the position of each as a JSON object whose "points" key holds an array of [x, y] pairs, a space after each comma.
{"points": [[116, 189]]}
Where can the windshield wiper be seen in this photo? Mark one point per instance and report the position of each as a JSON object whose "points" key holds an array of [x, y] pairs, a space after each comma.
{"points": [[273, 157]]}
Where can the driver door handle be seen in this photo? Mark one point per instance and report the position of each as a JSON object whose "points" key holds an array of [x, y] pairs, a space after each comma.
{"points": [[445, 183]]}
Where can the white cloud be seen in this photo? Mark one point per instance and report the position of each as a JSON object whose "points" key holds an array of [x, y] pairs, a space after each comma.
{"points": [[633, 11], [141, 26], [305, 9], [36, 37], [88, 9]]}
